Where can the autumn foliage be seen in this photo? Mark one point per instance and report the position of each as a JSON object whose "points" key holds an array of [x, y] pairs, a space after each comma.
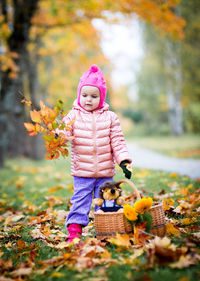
{"points": [[46, 121]]}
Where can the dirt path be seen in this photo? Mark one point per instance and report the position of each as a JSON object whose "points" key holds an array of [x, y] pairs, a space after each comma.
{"points": [[149, 159]]}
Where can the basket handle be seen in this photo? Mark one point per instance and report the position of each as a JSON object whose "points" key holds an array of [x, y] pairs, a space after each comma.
{"points": [[132, 185]]}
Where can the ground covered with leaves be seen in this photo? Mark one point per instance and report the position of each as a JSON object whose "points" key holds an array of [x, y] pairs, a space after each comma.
{"points": [[33, 206]]}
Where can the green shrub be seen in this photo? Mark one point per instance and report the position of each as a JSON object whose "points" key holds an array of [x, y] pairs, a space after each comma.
{"points": [[192, 118]]}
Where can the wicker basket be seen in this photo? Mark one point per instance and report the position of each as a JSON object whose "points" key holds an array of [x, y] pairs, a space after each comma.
{"points": [[109, 223], [158, 226]]}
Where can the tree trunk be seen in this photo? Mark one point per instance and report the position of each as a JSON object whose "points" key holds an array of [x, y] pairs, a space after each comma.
{"points": [[174, 88], [12, 112]]}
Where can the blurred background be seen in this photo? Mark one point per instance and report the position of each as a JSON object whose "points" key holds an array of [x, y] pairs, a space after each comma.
{"points": [[149, 53]]}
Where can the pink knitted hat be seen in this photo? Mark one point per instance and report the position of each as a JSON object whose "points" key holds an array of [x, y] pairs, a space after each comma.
{"points": [[93, 77]]}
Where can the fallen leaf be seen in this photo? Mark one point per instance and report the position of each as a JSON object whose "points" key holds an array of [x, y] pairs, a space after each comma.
{"points": [[21, 245], [185, 278], [57, 274], [21, 272], [121, 240], [184, 261], [54, 189], [172, 230], [17, 218]]}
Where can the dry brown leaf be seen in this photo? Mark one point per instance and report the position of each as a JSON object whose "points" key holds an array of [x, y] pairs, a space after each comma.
{"points": [[185, 261], [21, 272], [21, 245]]}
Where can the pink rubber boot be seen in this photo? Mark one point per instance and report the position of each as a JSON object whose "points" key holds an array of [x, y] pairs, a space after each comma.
{"points": [[75, 231]]}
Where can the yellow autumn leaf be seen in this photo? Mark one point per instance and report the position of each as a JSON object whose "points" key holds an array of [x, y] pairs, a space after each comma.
{"points": [[42, 104], [57, 274], [19, 183], [167, 203], [106, 254], [170, 229], [121, 240], [142, 174], [70, 187], [187, 221], [136, 254], [35, 116]]}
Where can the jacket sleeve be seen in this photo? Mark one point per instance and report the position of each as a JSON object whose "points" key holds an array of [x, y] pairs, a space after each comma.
{"points": [[118, 144], [67, 119]]}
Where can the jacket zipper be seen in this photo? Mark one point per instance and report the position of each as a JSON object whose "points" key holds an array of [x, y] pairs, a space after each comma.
{"points": [[95, 146]]}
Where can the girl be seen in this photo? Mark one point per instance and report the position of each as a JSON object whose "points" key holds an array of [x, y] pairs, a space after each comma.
{"points": [[98, 140]]}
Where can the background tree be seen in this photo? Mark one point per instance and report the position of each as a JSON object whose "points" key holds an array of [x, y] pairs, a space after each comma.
{"points": [[191, 66], [19, 65], [12, 73], [166, 85]]}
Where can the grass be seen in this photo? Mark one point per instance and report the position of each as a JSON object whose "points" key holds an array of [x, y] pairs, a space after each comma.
{"points": [[186, 146], [38, 189]]}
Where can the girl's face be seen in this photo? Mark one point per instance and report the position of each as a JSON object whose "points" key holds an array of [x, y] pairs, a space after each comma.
{"points": [[89, 97]]}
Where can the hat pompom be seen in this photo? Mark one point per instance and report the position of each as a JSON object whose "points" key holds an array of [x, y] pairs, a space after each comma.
{"points": [[94, 68]]}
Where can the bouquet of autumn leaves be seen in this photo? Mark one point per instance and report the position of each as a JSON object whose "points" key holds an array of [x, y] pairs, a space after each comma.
{"points": [[46, 121], [138, 214]]}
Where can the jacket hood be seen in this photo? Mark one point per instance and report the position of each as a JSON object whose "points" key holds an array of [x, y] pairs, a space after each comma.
{"points": [[93, 77], [78, 107]]}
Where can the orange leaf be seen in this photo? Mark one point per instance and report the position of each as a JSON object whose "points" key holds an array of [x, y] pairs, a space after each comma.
{"points": [[52, 155], [35, 116], [42, 104], [54, 189], [21, 245], [31, 129]]}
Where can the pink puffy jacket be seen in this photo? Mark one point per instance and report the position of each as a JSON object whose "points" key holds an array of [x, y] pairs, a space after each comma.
{"points": [[98, 140]]}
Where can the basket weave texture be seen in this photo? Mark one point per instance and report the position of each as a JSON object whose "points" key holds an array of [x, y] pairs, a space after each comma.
{"points": [[158, 226], [109, 223]]}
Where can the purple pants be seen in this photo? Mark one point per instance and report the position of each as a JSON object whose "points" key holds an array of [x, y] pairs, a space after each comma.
{"points": [[82, 199]]}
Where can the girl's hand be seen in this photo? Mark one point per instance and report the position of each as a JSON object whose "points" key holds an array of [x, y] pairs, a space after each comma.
{"points": [[127, 168]]}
